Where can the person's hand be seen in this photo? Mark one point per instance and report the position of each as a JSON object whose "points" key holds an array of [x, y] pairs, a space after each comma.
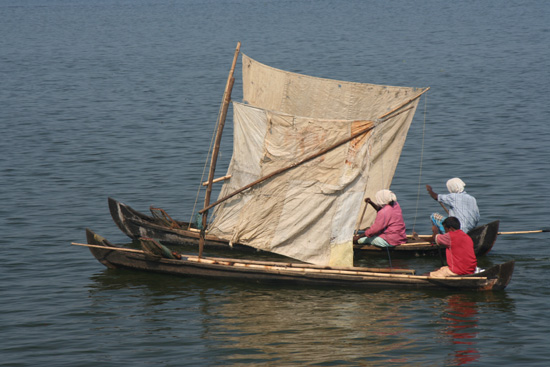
{"points": [[368, 200], [431, 192], [356, 238]]}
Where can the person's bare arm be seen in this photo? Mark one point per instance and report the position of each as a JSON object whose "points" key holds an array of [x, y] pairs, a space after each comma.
{"points": [[431, 192]]}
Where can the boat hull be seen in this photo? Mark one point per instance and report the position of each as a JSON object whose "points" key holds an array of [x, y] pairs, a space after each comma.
{"points": [[136, 224], [112, 256]]}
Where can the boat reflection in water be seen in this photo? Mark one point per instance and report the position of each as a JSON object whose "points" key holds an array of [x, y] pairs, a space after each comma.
{"points": [[461, 315], [247, 323]]}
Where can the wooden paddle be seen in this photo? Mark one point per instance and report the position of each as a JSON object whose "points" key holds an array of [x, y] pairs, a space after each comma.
{"points": [[361, 220], [516, 232], [367, 202], [523, 232]]}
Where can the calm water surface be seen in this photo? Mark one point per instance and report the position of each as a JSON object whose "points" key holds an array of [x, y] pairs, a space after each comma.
{"points": [[118, 98]]}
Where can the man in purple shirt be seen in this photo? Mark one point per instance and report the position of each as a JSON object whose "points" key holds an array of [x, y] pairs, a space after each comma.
{"points": [[388, 228]]}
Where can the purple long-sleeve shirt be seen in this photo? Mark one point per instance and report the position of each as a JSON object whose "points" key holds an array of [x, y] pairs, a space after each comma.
{"points": [[389, 225]]}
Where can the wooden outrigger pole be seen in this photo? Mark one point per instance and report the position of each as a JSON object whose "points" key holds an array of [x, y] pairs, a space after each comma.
{"points": [[221, 123]]}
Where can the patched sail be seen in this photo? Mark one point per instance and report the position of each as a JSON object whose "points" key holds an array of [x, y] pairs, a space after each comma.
{"points": [[309, 212], [302, 95]]}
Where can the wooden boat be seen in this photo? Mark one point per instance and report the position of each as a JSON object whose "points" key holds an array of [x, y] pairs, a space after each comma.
{"points": [[154, 257], [307, 152], [160, 225], [484, 238]]}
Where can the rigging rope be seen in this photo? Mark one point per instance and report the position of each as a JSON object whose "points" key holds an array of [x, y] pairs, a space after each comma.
{"points": [[205, 165], [421, 161]]}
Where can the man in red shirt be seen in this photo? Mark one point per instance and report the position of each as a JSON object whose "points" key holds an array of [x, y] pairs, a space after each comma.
{"points": [[461, 258]]}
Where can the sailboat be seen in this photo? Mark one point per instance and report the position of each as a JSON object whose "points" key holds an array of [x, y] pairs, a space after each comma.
{"points": [[307, 151]]}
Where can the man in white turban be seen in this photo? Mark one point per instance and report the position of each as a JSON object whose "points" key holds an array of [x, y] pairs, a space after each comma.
{"points": [[459, 203], [388, 228]]}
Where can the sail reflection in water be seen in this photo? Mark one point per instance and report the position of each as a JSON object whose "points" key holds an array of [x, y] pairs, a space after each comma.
{"points": [[317, 325]]}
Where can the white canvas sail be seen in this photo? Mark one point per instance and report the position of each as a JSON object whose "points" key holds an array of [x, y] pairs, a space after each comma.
{"points": [[303, 95], [309, 212]]}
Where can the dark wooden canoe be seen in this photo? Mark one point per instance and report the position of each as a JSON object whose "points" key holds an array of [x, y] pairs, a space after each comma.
{"points": [[484, 237], [162, 261], [161, 226]]}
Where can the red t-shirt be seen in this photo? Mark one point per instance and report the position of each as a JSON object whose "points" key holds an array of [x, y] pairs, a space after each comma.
{"points": [[461, 257]]}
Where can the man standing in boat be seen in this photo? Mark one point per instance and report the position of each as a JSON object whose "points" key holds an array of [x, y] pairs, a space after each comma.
{"points": [[461, 205], [388, 228], [461, 258]]}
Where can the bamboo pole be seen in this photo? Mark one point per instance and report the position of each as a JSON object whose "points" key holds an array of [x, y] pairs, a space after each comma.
{"points": [[405, 103], [221, 123], [295, 265], [259, 264], [217, 180], [420, 236], [523, 232], [324, 271], [444, 207], [108, 248], [315, 155], [416, 244], [361, 220]]}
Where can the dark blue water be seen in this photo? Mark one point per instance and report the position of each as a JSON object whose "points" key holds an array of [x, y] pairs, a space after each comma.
{"points": [[119, 98]]}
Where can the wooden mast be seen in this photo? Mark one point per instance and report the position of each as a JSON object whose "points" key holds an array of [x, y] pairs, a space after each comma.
{"points": [[221, 123]]}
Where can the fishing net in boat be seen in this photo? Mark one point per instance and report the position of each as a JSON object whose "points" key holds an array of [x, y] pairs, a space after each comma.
{"points": [[154, 248]]}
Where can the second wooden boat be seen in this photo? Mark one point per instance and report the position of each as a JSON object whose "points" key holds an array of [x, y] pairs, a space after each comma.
{"points": [[162, 226]]}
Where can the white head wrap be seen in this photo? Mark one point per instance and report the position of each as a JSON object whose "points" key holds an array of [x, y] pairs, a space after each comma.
{"points": [[455, 185], [384, 197]]}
